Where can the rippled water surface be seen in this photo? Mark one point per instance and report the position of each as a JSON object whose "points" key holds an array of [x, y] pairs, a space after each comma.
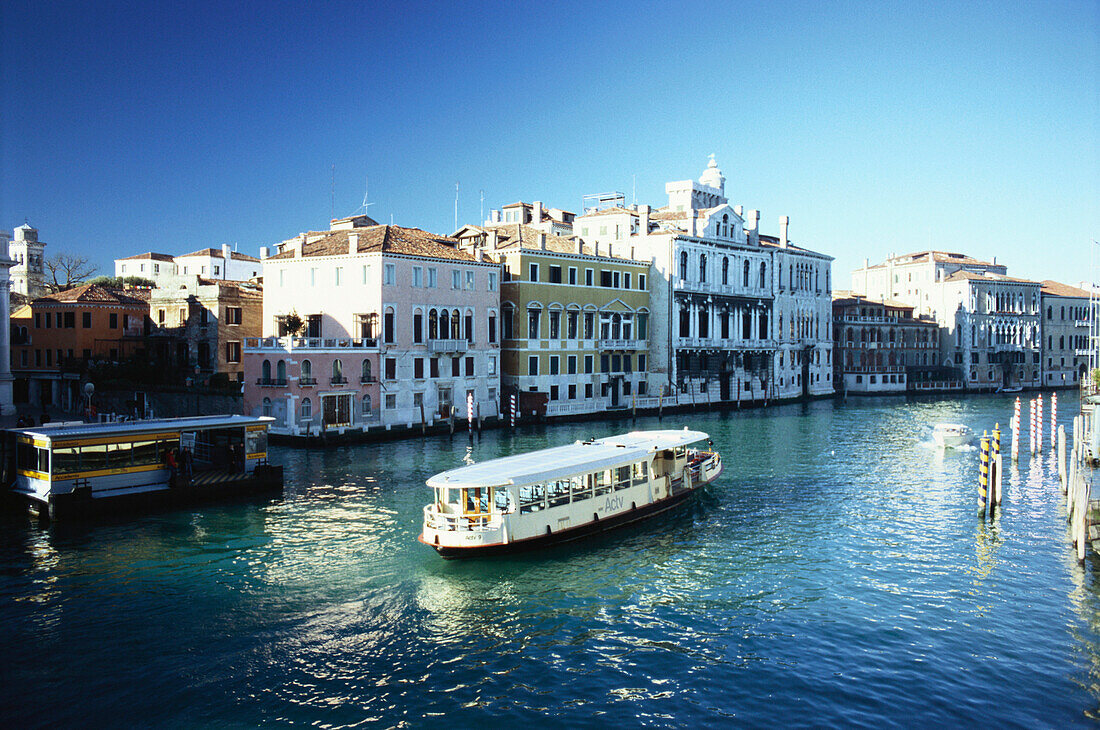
{"points": [[835, 574]]}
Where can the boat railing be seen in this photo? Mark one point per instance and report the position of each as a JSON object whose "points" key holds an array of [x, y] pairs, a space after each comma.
{"points": [[461, 523]]}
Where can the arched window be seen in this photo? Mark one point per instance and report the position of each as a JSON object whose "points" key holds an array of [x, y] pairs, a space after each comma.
{"points": [[337, 371], [763, 273], [265, 371], [684, 265], [746, 273], [444, 323], [616, 326], [307, 371], [280, 371], [702, 267], [456, 325], [305, 411], [433, 325], [267, 407], [366, 407], [366, 372], [725, 270]]}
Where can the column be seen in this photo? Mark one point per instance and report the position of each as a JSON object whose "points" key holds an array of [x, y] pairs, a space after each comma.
{"points": [[6, 398]]}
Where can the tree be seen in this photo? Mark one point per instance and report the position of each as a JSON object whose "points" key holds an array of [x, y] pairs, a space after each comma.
{"points": [[68, 270], [294, 323], [120, 282]]}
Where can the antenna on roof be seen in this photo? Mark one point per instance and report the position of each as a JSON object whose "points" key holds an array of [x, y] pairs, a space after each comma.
{"points": [[481, 213], [456, 208], [365, 207], [634, 192], [332, 212]]}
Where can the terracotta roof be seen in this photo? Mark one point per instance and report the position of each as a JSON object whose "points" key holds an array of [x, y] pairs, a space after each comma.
{"points": [[1058, 289], [986, 276], [510, 239], [361, 219], [668, 215], [216, 253], [149, 255], [387, 239], [611, 211], [90, 293], [937, 256], [849, 299]]}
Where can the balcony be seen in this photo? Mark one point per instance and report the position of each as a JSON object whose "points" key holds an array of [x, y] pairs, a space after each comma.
{"points": [[610, 344], [1082, 323], [448, 345], [271, 382], [259, 344], [338, 380], [305, 380], [368, 380]]}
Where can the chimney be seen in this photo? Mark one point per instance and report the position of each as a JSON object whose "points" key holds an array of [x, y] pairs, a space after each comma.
{"points": [[866, 263], [227, 252], [691, 230], [263, 252], [536, 212], [494, 216], [643, 220], [480, 255], [494, 239], [596, 247], [609, 254], [580, 245], [784, 221], [994, 260], [752, 225], [353, 243], [739, 210], [542, 239]]}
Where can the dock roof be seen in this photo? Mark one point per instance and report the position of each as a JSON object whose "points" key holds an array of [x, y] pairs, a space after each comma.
{"points": [[562, 462], [63, 430]]}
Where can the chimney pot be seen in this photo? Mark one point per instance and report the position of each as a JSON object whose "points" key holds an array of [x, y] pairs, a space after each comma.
{"points": [[353, 243], [784, 221], [542, 240], [227, 252], [580, 245], [494, 240], [739, 210], [263, 252]]}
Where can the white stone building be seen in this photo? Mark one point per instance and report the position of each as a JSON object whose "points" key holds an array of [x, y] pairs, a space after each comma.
{"points": [[28, 274], [1066, 325], [210, 263], [913, 278], [736, 316]]}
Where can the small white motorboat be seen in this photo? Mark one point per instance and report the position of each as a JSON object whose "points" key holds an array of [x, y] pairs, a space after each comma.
{"points": [[951, 435]]}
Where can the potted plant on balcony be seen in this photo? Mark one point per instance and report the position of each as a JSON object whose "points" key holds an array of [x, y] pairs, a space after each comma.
{"points": [[294, 325]]}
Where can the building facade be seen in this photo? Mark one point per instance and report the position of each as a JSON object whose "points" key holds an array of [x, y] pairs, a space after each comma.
{"points": [[880, 347], [1066, 324], [54, 338], [914, 278], [200, 325], [574, 325], [718, 292], [399, 328], [210, 263]]}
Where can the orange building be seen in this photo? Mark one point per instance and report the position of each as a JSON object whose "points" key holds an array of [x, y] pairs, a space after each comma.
{"points": [[53, 336]]}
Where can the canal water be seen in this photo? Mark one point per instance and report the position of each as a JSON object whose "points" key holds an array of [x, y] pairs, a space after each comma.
{"points": [[836, 574]]}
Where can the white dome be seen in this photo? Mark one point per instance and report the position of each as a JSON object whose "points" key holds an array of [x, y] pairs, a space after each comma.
{"points": [[712, 176]]}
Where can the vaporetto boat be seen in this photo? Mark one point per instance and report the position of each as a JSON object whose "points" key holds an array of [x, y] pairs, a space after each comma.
{"points": [[563, 493]]}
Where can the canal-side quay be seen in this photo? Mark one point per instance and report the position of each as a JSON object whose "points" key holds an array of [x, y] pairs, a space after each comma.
{"points": [[836, 573]]}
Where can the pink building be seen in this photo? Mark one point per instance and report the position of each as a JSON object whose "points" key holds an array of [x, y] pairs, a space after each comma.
{"points": [[399, 327]]}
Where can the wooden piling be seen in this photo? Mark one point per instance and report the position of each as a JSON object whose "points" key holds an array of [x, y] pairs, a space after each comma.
{"points": [[1062, 457], [423, 420], [983, 475], [995, 463]]}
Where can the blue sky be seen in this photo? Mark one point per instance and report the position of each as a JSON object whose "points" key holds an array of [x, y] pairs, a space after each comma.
{"points": [[877, 127]]}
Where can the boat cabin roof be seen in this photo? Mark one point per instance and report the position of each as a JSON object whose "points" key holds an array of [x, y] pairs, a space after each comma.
{"points": [[561, 462], [136, 428]]}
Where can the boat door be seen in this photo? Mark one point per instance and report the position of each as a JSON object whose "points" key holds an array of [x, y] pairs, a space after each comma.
{"points": [[475, 503]]}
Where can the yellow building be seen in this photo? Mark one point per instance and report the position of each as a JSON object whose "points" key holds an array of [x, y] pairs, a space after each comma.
{"points": [[574, 318]]}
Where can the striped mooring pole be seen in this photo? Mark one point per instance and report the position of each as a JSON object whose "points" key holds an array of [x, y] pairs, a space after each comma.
{"points": [[470, 412], [1039, 423], [1053, 420], [1031, 428], [983, 475], [512, 411], [1016, 432], [995, 460]]}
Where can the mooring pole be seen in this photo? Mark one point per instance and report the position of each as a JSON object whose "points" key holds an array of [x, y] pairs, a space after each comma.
{"points": [[983, 475]]}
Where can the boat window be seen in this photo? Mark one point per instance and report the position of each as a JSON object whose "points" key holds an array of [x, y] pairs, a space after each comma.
{"points": [[93, 456], [165, 445], [681, 451], [580, 487], [255, 442], [119, 455], [502, 500], [33, 459], [66, 460], [145, 453], [622, 477], [531, 498], [638, 470], [558, 492], [603, 482]]}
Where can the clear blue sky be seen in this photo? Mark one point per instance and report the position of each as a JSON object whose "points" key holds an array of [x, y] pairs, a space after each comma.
{"points": [[877, 127]]}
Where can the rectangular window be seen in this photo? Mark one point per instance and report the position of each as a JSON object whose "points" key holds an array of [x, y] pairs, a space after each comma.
{"points": [[588, 364], [571, 365], [492, 366], [492, 281], [588, 277], [418, 276], [469, 367], [70, 320], [469, 281], [553, 392], [338, 275], [389, 273], [605, 363], [388, 332], [573, 275], [492, 328], [418, 368], [232, 315], [641, 363], [572, 392], [605, 278], [391, 401], [641, 281], [533, 365], [37, 321], [365, 276], [313, 276], [434, 367], [588, 390], [456, 366], [626, 280], [113, 319], [571, 326], [533, 272], [555, 325], [233, 352], [456, 279], [469, 321], [161, 316], [555, 274], [391, 368], [589, 324], [615, 279], [554, 364], [431, 277], [418, 328], [533, 324]]}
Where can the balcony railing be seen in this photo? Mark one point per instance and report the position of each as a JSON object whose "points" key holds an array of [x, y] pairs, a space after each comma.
{"points": [[338, 380], [306, 380], [610, 344], [448, 345], [367, 379], [1082, 323], [271, 382], [310, 343]]}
